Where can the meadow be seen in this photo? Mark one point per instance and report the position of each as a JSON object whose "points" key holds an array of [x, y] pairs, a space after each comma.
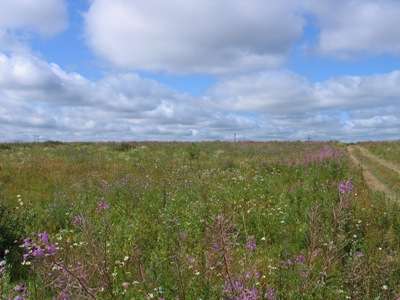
{"points": [[234, 221]]}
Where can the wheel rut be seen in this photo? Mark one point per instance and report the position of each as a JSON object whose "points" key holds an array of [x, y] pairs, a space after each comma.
{"points": [[371, 180]]}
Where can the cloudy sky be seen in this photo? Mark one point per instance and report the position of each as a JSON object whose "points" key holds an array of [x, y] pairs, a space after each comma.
{"points": [[199, 69]]}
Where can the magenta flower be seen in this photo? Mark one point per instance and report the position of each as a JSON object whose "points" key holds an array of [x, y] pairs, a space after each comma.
{"points": [[300, 259], [251, 244], [51, 249], [27, 243], [44, 237], [345, 187], [38, 252], [20, 288], [102, 205]]}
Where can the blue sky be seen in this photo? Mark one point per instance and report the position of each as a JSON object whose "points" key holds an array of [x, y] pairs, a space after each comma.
{"points": [[156, 70]]}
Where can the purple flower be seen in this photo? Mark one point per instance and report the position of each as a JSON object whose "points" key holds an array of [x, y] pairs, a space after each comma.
{"points": [[19, 298], [27, 243], [251, 244], [20, 288], [102, 205], [234, 287], [51, 249], [300, 259], [37, 252], [345, 187], [44, 237], [249, 294], [271, 294]]}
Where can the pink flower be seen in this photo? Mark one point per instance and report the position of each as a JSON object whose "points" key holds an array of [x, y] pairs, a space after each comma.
{"points": [[251, 244], [51, 249], [102, 205], [44, 237]]}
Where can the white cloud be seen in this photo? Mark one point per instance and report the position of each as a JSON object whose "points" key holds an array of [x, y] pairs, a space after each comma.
{"points": [[349, 28], [202, 36], [37, 98], [277, 92], [46, 17], [288, 93]]}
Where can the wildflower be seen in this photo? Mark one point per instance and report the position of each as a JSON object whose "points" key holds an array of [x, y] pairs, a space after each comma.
{"points": [[385, 287], [251, 244], [102, 205], [271, 294], [44, 237], [20, 288], [249, 294], [38, 252], [300, 259], [234, 287], [27, 243], [345, 187], [51, 249]]}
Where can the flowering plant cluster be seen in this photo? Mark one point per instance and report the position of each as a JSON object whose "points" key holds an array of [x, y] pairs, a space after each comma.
{"points": [[38, 247]]}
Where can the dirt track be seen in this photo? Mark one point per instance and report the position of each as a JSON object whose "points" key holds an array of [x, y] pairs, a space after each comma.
{"points": [[385, 163], [373, 183]]}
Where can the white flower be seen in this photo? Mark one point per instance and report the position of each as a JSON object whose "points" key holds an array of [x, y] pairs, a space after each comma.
{"points": [[385, 287]]}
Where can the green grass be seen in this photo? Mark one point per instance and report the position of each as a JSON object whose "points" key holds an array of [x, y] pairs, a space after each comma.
{"points": [[386, 150], [390, 178], [180, 216]]}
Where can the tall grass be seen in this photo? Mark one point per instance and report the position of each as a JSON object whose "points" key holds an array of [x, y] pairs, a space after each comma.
{"points": [[195, 221]]}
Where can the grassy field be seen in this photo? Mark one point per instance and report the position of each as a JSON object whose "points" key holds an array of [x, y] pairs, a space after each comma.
{"points": [[386, 150], [193, 221]]}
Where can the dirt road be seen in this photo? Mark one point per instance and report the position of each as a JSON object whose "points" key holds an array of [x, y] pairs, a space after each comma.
{"points": [[371, 180]]}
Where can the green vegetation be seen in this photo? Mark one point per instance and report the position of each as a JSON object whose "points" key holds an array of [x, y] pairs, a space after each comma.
{"points": [[386, 150], [193, 221]]}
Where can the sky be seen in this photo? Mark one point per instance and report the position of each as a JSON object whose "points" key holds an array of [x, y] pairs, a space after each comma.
{"points": [[192, 70]]}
